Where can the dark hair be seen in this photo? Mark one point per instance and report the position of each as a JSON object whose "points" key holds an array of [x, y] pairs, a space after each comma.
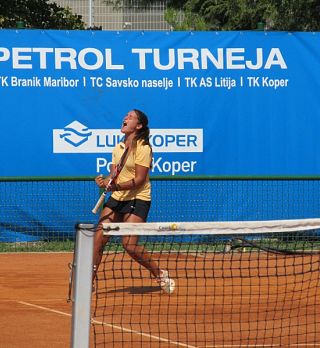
{"points": [[144, 132]]}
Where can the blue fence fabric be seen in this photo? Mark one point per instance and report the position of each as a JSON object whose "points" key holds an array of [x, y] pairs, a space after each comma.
{"points": [[48, 210]]}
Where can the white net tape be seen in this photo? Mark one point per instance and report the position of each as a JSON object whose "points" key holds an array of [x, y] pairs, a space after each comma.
{"points": [[211, 227]]}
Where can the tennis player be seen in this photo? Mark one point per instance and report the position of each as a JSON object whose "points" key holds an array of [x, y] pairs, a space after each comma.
{"points": [[131, 195]]}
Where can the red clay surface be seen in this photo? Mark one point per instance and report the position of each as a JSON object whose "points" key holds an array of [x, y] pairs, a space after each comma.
{"points": [[221, 300], [34, 311]]}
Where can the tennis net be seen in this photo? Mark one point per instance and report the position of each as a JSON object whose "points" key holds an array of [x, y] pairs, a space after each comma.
{"points": [[236, 284]]}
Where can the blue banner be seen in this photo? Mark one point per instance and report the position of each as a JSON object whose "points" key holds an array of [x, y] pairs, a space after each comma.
{"points": [[219, 103]]}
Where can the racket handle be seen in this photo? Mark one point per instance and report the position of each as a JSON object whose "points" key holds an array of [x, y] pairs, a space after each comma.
{"points": [[99, 203]]}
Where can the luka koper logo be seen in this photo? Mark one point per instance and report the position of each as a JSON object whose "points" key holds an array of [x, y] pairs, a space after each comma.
{"points": [[78, 138], [75, 134]]}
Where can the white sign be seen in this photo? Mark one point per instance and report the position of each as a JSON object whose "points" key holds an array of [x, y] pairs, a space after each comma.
{"points": [[78, 138]]}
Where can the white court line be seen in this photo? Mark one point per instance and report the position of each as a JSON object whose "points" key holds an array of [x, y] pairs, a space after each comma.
{"points": [[112, 326], [44, 308], [144, 334], [164, 339]]}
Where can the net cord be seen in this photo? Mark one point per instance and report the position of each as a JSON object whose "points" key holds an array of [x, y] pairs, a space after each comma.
{"points": [[211, 227]]}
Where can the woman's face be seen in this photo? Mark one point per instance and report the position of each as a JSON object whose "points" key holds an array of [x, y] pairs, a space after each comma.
{"points": [[130, 123]]}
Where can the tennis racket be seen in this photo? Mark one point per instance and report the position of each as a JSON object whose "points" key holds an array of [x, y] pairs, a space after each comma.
{"points": [[111, 181]]}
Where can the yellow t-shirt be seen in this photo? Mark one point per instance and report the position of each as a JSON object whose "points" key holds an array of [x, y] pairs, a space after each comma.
{"points": [[142, 156]]}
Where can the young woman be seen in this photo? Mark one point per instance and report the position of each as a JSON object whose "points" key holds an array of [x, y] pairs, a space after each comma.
{"points": [[131, 195]]}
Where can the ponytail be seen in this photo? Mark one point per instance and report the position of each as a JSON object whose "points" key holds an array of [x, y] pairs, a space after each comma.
{"points": [[143, 133]]}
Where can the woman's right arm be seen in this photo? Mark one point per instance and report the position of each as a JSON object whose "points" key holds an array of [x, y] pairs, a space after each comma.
{"points": [[101, 181]]}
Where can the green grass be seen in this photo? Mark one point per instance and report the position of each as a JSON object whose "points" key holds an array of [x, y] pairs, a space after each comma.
{"points": [[115, 246], [41, 246]]}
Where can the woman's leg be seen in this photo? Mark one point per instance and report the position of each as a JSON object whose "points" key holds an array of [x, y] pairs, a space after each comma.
{"points": [[107, 215], [138, 252]]}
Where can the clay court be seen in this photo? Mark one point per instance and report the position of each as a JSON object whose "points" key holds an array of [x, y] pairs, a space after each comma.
{"points": [[33, 291], [221, 300], [35, 313]]}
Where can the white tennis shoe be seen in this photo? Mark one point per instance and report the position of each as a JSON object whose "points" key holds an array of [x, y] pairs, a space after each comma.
{"points": [[167, 284]]}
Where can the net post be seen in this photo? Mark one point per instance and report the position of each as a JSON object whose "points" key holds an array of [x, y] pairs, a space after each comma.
{"points": [[81, 308]]}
